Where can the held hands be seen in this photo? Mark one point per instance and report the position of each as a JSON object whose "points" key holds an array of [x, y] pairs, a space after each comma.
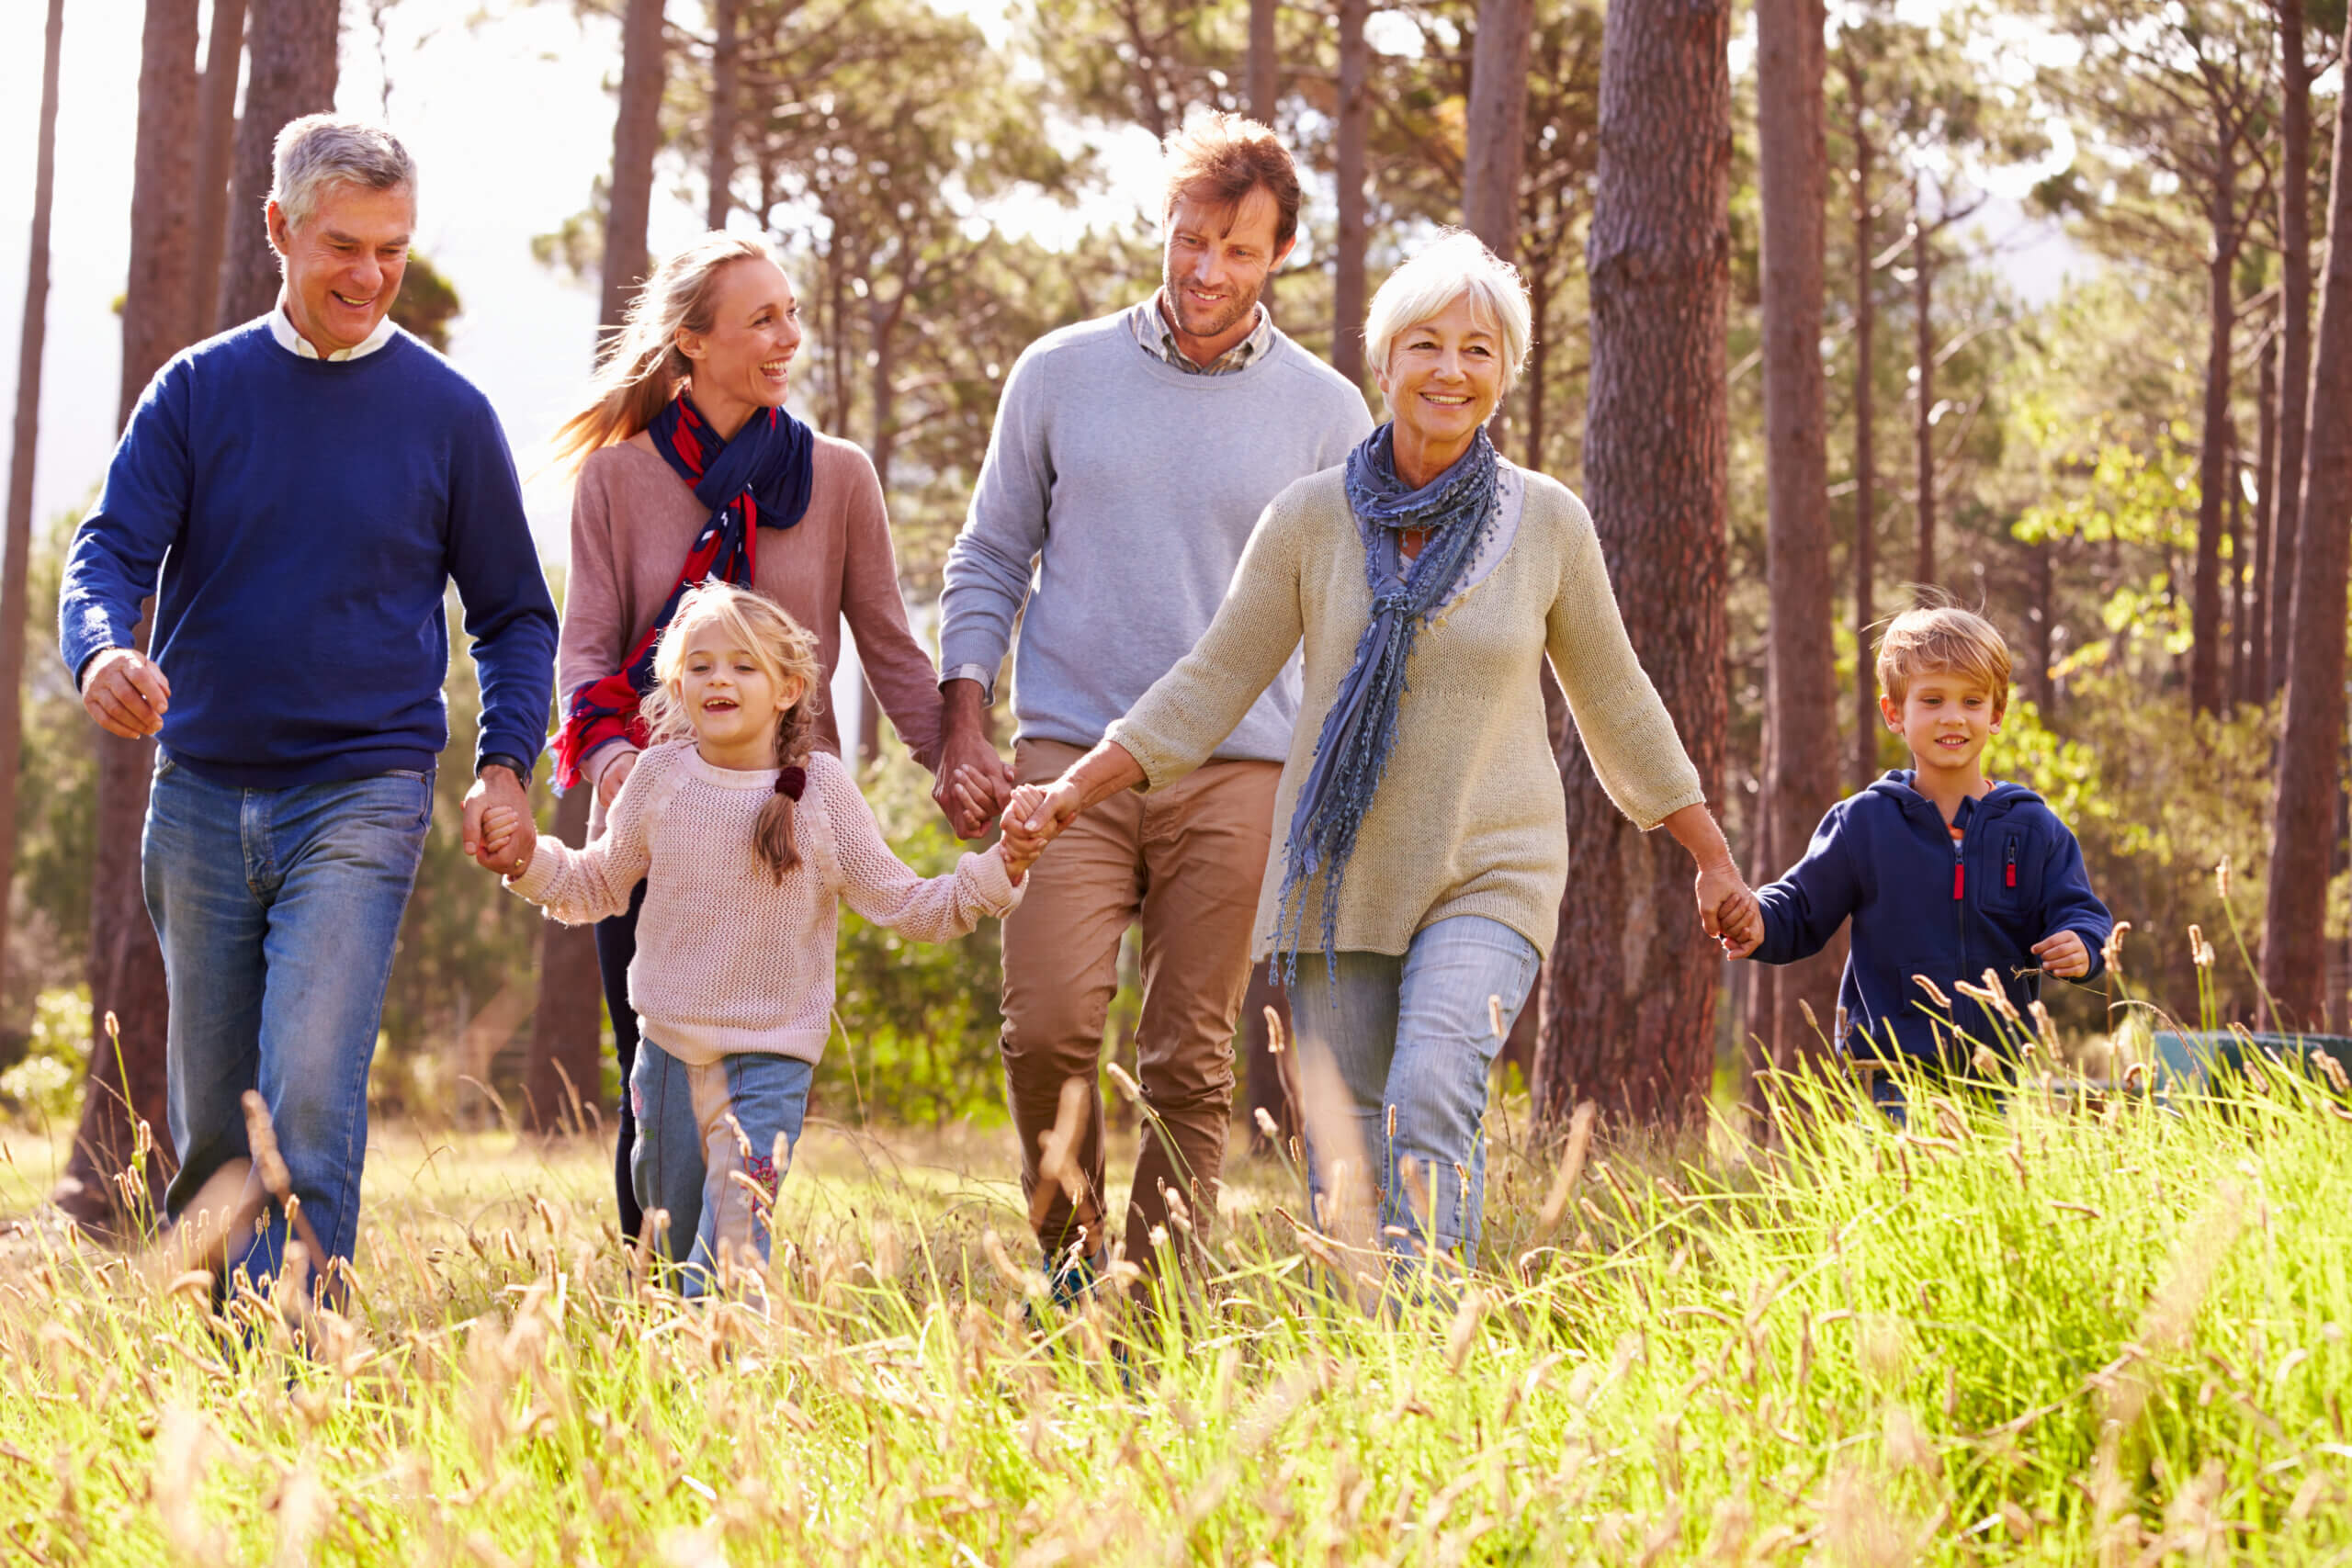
{"points": [[1728, 911], [2064, 954], [496, 789], [973, 782], [509, 842], [125, 692], [1034, 816]]}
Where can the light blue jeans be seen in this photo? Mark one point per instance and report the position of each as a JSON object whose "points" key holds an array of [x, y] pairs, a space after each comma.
{"points": [[697, 1127], [278, 911], [1409, 1041]]}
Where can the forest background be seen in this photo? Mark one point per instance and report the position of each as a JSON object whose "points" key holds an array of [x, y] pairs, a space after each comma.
{"points": [[2065, 262]]}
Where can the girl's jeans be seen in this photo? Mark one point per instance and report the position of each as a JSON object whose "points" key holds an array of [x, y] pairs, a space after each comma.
{"points": [[1408, 1041], [696, 1128]]}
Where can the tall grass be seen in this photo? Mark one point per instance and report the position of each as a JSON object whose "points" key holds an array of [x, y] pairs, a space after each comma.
{"points": [[2023, 1330]]}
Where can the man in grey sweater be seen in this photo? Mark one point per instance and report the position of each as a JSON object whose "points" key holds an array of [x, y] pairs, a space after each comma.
{"points": [[1131, 459]]}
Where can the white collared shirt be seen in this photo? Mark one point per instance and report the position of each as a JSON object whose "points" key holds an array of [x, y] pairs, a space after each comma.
{"points": [[281, 327]]}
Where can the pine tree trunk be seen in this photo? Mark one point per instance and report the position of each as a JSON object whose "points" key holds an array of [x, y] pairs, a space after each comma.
{"points": [[2233, 582], [216, 134], [291, 72], [2254, 686], [1866, 715], [26, 441], [2304, 813], [636, 135], [2286, 474], [725, 58], [1495, 137], [562, 1070], [2213, 467], [1630, 988], [1353, 132], [125, 1084], [1801, 672], [1923, 353], [1265, 63]]}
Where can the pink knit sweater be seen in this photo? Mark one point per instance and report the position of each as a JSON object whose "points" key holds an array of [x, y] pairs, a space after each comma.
{"points": [[727, 961]]}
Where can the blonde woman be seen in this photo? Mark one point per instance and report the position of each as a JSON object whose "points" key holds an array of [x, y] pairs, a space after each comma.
{"points": [[691, 469]]}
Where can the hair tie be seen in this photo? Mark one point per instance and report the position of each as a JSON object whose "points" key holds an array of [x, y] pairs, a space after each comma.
{"points": [[790, 782]]}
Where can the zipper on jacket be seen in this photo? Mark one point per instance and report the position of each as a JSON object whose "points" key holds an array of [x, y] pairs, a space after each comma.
{"points": [[1958, 875], [2009, 875]]}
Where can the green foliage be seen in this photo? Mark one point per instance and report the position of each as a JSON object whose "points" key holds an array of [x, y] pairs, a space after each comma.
{"points": [[427, 303], [45, 1084], [57, 801], [919, 1021]]}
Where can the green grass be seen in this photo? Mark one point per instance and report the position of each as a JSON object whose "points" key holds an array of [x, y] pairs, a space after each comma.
{"points": [[2019, 1333]]}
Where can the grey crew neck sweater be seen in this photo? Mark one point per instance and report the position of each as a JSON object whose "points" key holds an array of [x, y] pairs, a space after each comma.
{"points": [[1129, 488]]}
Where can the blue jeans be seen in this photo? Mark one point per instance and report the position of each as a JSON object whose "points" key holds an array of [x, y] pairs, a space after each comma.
{"points": [[278, 909], [696, 1128], [1410, 1042]]}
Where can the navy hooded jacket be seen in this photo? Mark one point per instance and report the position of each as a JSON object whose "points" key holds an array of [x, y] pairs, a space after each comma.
{"points": [[1923, 906]]}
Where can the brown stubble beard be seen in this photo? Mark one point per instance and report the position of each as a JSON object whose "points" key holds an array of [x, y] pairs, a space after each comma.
{"points": [[1242, 310]]}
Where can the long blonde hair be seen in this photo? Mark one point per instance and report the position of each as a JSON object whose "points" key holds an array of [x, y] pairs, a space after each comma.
{"points": [[642, 367], [785, 650]]}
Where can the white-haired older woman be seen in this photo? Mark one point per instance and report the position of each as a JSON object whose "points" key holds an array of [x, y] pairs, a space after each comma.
{"points": [[1428, 849]]}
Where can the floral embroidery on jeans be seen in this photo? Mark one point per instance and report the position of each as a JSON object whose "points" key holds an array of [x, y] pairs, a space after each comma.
{"points": [[761, 1169]]}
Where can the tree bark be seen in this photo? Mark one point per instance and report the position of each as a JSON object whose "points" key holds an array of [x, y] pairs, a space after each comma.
{"points": [[2255, 687], [2286, 475], [726, 56], [636, 135], [291, 74], [1866, 715], [1630, 987], [26, 442], [125, 1084], [2233, 582], [562, 1072], [1801, 666], [216, 132], [1923, 353], [2304, 812], [1265, 62], [1353, 132], [1495, 138], [2213, 465]]}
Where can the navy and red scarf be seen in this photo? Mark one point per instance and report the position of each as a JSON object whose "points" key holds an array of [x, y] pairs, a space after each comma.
{"points": [[759, 479]]}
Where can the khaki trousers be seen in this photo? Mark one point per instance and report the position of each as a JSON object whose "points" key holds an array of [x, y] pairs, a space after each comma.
{"points": [[1188, 860]]}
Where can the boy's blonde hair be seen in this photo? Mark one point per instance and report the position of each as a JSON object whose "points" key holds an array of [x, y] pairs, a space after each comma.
{"points": [[784, 651], [1944, 637]]}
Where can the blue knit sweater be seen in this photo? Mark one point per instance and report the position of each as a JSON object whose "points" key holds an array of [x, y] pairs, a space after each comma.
{"points": [[298, 521]]}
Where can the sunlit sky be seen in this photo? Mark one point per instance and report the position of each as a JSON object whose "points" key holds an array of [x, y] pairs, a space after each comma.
{"points": [[505, 104]]}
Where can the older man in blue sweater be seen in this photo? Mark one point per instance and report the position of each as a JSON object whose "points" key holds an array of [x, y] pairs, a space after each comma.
{"points": [[297, 494]]}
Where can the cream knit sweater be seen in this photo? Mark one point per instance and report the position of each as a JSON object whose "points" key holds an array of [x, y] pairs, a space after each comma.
{"points": [[727, 961], [1468, 819]]}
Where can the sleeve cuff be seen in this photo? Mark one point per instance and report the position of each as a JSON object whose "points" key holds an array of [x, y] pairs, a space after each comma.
{"points": [[997, 890], [984, 678], [534, 883]]}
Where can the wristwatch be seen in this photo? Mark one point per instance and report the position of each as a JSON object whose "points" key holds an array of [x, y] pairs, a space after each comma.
{"points": [[512, 763]]}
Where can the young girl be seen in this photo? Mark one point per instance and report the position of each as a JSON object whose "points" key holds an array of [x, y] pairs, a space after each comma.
{"points": [[746, 837]]}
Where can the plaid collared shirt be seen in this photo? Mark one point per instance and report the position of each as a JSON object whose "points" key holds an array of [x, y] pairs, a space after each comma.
{"points": [[1159, 340]]}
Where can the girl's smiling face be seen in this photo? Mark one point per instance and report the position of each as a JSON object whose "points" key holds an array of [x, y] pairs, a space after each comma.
{"points": [[1946, 719], [733, 699]]}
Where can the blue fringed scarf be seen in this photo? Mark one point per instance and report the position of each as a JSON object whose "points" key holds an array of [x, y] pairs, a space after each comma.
{"points": [[1456, 509]]}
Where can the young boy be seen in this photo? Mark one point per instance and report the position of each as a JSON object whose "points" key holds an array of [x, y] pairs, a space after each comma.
{"points": [[1945, 874]]}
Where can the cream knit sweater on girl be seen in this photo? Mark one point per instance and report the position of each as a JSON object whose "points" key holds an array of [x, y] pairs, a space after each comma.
{"points": [[727, 962], [1468, 819]]}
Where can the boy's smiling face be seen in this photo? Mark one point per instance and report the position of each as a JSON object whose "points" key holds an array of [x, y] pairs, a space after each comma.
{"points": [[1946, 719]]}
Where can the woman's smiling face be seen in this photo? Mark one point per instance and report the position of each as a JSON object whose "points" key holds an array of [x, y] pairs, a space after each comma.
{"points": [[745, 356], [1444, 375]]}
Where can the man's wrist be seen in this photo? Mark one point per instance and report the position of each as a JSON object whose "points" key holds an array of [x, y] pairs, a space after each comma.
{"points": [[962, 702], [507, 759], [983, 682]]}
